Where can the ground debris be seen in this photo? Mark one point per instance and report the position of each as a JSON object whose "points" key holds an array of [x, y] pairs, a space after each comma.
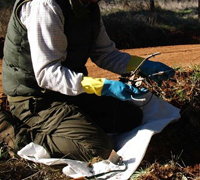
{"points": [[180, 138], [167, 171], [18, 169], [181, 90]]}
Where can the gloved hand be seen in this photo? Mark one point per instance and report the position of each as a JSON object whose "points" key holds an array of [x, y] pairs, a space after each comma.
{"points": [[121, 90], [149, 68], [105, 87]]}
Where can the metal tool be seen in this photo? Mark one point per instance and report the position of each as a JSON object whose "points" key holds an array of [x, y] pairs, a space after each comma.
{"points": [[135, 78], [115, 159]]}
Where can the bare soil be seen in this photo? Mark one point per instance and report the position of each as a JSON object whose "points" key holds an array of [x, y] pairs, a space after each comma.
{"points": [[174, 56]]}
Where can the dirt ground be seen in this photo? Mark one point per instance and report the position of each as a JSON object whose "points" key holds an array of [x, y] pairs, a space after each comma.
{"points": [[179, 55]]}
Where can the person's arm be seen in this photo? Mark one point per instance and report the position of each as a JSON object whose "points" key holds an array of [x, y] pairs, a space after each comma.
{"points": [[45, 26], [107, 56], [44, 23]]}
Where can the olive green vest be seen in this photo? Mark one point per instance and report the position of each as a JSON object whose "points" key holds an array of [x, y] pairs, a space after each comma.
{"points": [[81, 28]]}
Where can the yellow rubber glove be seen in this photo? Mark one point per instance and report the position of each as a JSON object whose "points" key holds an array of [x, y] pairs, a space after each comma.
{"points": [[133, 63], [92, 85]]}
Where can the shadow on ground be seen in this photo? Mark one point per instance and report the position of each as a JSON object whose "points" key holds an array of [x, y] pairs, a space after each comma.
{"points": [[135, 29]]}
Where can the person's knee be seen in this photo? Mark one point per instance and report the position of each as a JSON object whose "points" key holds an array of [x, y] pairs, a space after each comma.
{"points": [[101, 147], [128, 117], [83, 150], [104, 150]]}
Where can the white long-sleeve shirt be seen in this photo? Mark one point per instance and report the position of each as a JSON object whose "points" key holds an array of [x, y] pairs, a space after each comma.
{"points": [[44, 22]]}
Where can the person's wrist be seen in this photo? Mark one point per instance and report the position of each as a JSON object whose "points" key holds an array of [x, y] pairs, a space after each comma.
{"points": [[92, 85], [145, 66], [133, 63]]}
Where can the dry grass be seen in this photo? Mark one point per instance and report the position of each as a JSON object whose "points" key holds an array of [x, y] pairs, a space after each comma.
{"points": [[170, 170], [174, 153], [134, 25], [173, 5], [4, 19], [182, 89], [18, 169]]}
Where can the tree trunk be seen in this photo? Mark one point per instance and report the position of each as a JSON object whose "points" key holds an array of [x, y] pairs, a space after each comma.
{"points": [[199, 10], [152, 5], [125, 4]]}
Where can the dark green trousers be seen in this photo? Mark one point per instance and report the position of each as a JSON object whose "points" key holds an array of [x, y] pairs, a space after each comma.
{"points": [[74, 127]]}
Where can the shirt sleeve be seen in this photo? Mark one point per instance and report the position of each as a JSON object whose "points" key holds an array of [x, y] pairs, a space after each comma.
{"points": [[107, 56], [45, 27]]}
